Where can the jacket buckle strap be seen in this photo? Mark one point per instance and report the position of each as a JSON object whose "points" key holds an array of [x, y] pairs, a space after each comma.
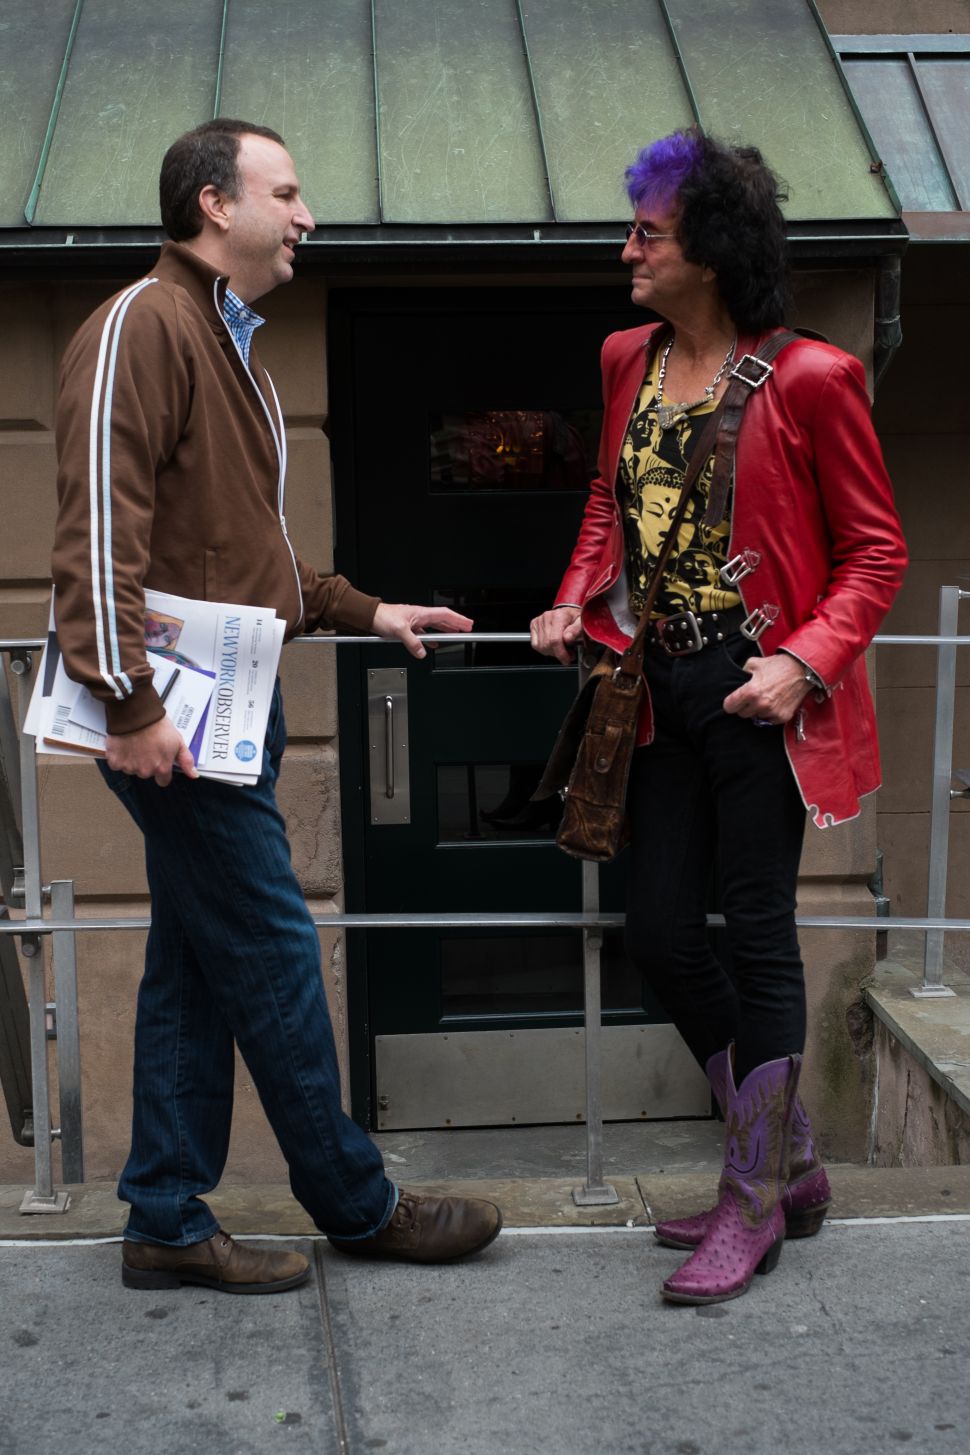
{"points": [[758, 621], [679, 634], [740, 566], [752, 371]]}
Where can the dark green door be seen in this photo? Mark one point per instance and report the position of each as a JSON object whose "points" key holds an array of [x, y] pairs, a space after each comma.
{"points": [[464, 431]]}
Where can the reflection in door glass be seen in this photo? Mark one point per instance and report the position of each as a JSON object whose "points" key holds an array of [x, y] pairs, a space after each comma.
{"points": [[531, 974], [492, 801], [512, 449]]}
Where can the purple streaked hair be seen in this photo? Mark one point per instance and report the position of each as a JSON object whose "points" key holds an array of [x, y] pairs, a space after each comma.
{"points": [[661, 169], [728, 218]]}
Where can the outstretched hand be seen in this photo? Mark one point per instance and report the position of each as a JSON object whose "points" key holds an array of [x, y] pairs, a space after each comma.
{"points": [[151, 752], [402, 623]]}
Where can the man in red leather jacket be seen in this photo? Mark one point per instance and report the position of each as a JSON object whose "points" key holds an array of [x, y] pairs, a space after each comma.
{"points": [[758, 706]]}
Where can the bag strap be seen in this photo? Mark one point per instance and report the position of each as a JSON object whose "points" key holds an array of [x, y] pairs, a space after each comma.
{"points": [[747, 375], [631, 661]]}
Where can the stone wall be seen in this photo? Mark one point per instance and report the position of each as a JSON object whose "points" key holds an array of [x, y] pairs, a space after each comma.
{"points": [[895, 17], [915, 1123], [924, 426]]}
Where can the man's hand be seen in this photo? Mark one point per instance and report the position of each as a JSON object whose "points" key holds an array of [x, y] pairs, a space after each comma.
{"points": [[151, 752], [555, 633], [402, 623], [775, 691]]}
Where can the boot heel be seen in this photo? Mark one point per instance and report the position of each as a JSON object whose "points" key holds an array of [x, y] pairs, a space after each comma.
{"points": [[770, 1261], [143, 1278], [805, 1224]]}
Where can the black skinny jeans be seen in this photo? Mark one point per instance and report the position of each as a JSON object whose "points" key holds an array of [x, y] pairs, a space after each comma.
{"points": [[713, 792]]}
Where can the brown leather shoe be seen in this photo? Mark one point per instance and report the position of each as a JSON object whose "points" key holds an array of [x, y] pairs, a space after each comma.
{"points": [[425, 1229], [216, 1263]]}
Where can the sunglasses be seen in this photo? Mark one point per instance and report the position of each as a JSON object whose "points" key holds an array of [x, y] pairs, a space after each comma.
{"points": [[644, 238]]}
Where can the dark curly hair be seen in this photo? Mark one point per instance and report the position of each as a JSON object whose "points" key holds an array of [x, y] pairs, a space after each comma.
{"points": [[206, 156], [730, 220]]}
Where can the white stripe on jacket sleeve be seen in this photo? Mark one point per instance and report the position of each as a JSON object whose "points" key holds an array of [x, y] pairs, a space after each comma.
{"points": [[99, 488]]}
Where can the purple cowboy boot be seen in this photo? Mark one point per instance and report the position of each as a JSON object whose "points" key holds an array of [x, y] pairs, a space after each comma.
{"points": [[807, 1195], [746, 1231]]}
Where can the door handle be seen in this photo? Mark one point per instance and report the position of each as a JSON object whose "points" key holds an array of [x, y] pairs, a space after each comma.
{"points": [[388, 746]]}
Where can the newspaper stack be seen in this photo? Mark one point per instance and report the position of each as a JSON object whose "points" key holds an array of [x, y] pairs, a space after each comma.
{"points": [[215, 666]]}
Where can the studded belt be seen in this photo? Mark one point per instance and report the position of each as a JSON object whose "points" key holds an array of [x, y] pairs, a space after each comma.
{"points": [[691, 631]]}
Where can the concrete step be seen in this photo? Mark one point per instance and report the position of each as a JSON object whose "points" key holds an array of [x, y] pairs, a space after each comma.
{"points": [[537, 1202]]}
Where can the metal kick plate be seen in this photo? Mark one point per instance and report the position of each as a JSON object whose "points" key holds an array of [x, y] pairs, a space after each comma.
{"points": [[388, 753], [503, 1078]]}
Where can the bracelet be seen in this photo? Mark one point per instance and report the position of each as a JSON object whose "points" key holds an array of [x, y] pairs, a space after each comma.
{"points": [[810, 675]]}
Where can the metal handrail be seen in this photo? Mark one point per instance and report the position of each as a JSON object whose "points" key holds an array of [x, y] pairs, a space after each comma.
{"points": [[917, 639], [591, 921], [509, 919]]}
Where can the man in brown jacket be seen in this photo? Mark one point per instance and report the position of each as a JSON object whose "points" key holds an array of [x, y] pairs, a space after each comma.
{"points": [[172, 462]]}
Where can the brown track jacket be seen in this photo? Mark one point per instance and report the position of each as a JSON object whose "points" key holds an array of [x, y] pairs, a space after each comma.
{"points": [[171, 469]]}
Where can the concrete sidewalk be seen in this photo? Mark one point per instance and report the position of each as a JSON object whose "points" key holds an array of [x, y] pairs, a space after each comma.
{"points": [[549, 1341], [554, 1339]]}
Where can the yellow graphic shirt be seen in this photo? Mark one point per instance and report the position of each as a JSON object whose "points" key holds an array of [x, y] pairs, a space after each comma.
{"points": [[649, 481]]}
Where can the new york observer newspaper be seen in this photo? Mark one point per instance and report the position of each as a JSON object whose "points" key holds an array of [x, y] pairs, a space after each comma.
{"points": [[234, 649], [241, 646]]}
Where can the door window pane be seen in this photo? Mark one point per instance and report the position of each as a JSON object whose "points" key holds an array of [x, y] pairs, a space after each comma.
{"points": [[493, 610], [512, 449], [478, 801]]}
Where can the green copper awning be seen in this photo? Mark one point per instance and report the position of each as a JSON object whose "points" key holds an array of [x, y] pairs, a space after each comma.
{"points": [[914, 92], [429, 113]]}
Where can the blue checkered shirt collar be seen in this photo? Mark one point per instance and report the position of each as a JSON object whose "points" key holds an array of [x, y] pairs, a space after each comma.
{"points": [[242, 321]]}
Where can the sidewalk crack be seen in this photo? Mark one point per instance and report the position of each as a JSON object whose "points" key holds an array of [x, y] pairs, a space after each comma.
{"points": [[336, 1393]]}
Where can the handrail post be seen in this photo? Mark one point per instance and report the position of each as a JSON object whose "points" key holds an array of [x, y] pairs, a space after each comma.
{"points": [[594, 1192], [946, 665], [25, 666], [41, 1198], [68, 1039]]}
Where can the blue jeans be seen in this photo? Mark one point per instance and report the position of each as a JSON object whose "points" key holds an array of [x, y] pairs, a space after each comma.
{"points": [[713, 802], [233, 955]]}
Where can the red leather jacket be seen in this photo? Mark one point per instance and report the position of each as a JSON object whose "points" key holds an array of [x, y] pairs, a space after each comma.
{"points": [[813, 504]]}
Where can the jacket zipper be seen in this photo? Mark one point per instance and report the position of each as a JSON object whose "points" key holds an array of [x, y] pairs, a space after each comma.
{"points": [[280, 497], [279, 441]]}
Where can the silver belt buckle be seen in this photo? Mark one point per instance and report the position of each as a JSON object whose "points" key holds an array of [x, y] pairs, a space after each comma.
{"points": [[679, 634]]}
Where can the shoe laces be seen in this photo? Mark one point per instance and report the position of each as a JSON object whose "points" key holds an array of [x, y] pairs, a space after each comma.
{"points": [[225, 1246], [405, 1212]]}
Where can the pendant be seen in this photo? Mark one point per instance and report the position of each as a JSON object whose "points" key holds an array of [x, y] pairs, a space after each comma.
{"points": [[670, 414]]}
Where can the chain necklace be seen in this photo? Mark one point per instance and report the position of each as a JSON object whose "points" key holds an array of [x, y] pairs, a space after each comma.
{"points": [[669, 414]]}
